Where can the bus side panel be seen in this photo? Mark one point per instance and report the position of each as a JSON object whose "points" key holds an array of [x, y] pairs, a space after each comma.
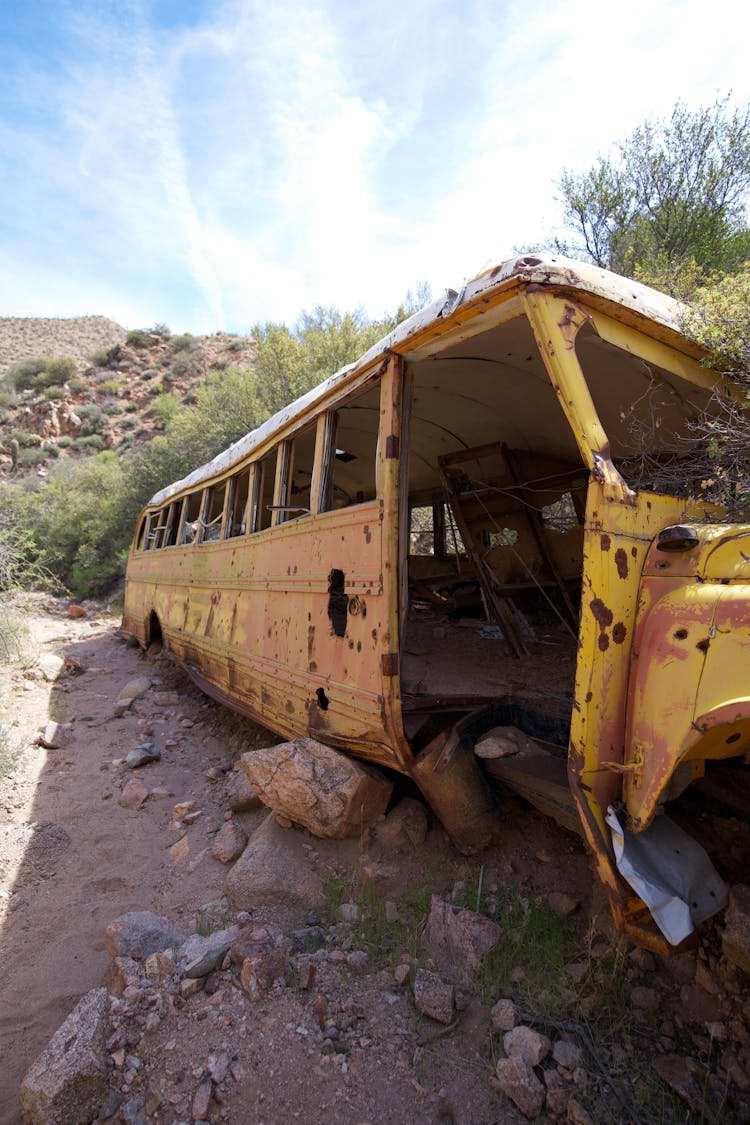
{"points": [[289, 624]]}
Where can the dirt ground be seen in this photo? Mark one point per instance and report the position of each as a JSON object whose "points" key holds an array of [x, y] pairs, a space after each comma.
{"points": [[72, 859]]}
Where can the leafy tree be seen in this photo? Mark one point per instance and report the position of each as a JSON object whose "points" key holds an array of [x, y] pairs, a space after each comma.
{"points": [[672, 198]]}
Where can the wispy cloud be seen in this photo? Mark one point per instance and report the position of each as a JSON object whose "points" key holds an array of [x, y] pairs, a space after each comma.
{"points": [[213, 165]]}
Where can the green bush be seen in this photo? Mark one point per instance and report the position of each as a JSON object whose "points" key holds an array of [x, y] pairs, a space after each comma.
{"points": [[8, 397], [164, 407], [186, 365], [109, 386], [39, 373], [25, 439], [111, 408], [162, 330], [88, 442], [131, 407], [64, 442], [31, 456], [149, 373], [138, 338], [77, 384], [54, 394], [128, 424], [185, 342]]}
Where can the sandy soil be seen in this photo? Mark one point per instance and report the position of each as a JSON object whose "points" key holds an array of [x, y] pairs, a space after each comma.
{"points": [[72, 859]]}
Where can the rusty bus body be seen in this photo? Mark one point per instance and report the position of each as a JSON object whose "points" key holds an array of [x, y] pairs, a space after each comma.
{"points": [[311, 575]]}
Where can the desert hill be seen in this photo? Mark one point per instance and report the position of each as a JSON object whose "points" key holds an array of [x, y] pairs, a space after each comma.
{"points": [[79, 337]]}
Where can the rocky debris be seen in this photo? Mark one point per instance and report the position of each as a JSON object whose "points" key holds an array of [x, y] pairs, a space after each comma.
{"points": [[403, 829], [274, 869], [202, 1100], [121, 973], [133, 690], [322, 789], [736, 941], [201, 954], [561, 904], [50, 666], [180, 850], [503, 1015], [517, 1081], [166, 699], [697, 1005], [66, 1084], [54, 736], [134, 794], [687, 1078], [433, 996], [239, 793], [76, 610], [457, 939], [138, 933], [142, 755], [262, 952], [505, 742], [229, 842], [526, 1043], [645, 998], [567, 1055]]}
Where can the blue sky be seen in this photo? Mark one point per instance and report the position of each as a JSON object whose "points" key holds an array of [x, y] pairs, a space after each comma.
{"points": [[214, 163]]}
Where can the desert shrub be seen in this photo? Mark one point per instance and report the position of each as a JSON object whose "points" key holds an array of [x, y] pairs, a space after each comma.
{"points": [[77, 384], [64, 442], [25, 439], [187, 365], [88, 442], [39, 373], [183, 343], [137, 338], [131, 407], [8, 397], [111, 408], [162, 330], [148, 373], [164, 407], [100, 357], [128, 424], [54, 394], [31, 456], [109, 386]]}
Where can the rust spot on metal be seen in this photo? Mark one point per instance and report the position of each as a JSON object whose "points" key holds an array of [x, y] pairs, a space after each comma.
{"points": [[702, 646], [338, 603], [603, 642], [618, 633], [389, 663], [680, 634], [368, 534], [359, 646], [621, 562], [322, 699], [589, 697], [310, 640], [605, 542], [391, 447], [634, 552], [601, 613]]}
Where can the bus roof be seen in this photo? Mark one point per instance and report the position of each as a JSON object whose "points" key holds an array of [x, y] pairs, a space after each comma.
{"points": [[552, 271]]}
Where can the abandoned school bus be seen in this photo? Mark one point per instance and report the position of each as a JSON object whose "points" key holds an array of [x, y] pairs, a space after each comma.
{"points": [[465, 530]]}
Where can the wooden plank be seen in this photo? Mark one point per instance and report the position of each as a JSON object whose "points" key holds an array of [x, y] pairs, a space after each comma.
{"points": [[542, 780]]}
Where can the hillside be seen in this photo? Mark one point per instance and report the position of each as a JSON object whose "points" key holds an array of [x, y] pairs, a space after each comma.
{"points": [[24, 337], [123, 394]]}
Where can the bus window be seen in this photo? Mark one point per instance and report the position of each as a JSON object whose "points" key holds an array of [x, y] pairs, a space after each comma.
{"points": [[191, 518], [239, 486], [140, 542], [170, 525], [301, 454], [349, 473], [214, 512], [266, 474], [422, 531]]}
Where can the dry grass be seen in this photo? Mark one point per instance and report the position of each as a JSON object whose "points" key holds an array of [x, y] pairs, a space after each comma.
{"points": [[26, 337]]}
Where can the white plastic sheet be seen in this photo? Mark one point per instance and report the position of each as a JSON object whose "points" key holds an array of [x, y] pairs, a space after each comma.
{"points": [[671, 872]]}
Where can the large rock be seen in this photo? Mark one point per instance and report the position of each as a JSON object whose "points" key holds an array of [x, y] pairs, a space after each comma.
{"points": [[404, 829], [239, 793], [138, 933], [736, 942], [527, 1044], [200, 954], [262, 952], [505, 742], [133, 690], [318, 787], [433, 996], [458, 939], [518, 1082], [66, 1084], [274, 870]]}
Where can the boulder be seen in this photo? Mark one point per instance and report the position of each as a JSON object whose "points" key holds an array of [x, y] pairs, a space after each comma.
{"points": [[66, 1084], [239, 793], [433, 996], [518, 1082], [133, 690], [505, 742], [200, 955], [318, 787], [736, 941], [503, 1015], [134, 794], [138, 933], [274, 869], [457, 939], [525, 1043], [229, 842]]}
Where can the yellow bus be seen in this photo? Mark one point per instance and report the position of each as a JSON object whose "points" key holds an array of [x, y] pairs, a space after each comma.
{"points": [[468, 528]]}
